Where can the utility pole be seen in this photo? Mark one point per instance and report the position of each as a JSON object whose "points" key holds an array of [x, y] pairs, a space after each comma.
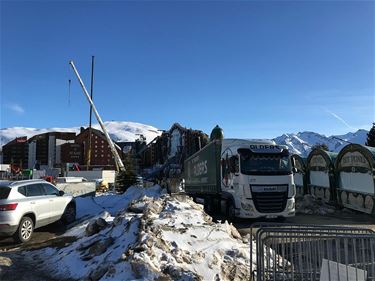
{"points": [[90, 131]]}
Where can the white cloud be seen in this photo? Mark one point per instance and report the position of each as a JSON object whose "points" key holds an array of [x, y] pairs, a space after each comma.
{"points": [[340, 119], [16, 108]]}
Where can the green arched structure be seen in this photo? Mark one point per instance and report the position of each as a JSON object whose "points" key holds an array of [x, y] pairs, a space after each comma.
{"points": [[300, 174], [321, 175], [355, 170]]}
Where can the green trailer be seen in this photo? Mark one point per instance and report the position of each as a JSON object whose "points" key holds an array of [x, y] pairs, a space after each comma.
{"points": [[202, 170]]}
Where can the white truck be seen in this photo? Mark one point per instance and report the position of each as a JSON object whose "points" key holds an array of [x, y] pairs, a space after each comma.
{"points": [[243, 178]]}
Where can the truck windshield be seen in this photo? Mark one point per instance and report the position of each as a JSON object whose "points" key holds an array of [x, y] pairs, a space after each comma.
{"points": [[264, 163]]}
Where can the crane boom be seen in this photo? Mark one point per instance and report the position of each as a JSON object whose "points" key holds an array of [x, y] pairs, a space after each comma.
{"points": [[120, 166]]}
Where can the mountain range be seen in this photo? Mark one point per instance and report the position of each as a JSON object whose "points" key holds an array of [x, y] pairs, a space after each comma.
{"points": [[299, 143]]}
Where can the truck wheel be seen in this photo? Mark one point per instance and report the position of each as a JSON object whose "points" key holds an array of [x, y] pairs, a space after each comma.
{"points": [[25, 230], [208, 206], [231, 212]]}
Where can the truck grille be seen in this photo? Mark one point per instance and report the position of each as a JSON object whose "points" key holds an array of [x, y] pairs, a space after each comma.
{"points": [[270, 202]]}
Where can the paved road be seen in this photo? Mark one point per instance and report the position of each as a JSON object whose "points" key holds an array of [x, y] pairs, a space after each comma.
{"points": [[40, 236], [340, 219], [15, 262]]}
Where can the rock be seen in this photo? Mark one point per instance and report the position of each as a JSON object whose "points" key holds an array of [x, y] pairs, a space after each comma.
{"points": [[98, 248], [161, 244], [180, 197], [232, 231], [235, 233], [177, 273], [101, 223], [144, 271], [118, 220], [98, 272], [95, 226], [5, 261], [153, 208], [136, 207], [235, 271], [91, 229]]}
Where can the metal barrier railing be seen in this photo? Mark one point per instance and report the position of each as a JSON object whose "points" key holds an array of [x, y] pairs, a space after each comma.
{"points": [[312, 252]]}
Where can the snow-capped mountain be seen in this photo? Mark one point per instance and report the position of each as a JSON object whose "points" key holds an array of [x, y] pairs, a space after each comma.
{"points": [[299, 143], [302, 142], [119, 131]]}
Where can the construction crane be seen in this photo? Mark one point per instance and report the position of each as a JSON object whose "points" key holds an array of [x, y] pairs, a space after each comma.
{"points": [[119, 165]]}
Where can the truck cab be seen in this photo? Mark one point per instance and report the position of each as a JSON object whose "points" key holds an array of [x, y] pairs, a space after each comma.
{"points": [[242, 178], [256, 179]]}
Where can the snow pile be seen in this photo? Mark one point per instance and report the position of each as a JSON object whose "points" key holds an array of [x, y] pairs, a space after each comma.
{"points": [[112, 202], [155, 236], [179, 241], [313, 206]]}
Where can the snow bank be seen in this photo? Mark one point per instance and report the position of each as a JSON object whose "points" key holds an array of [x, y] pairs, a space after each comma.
{"points": [[112, 202], [148, 235], [313, 206]]}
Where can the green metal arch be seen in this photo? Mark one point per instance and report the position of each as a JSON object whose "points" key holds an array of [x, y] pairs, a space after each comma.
{"points": [[329, 157], [301, 160], [366, 151]]}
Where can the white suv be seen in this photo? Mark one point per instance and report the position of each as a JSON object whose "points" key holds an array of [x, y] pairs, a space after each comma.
{"points": [[29, 204]]}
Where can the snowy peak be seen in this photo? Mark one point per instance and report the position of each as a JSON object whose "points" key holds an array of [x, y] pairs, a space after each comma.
{"points": [[119, 131], [302, 142], [299, 143]]}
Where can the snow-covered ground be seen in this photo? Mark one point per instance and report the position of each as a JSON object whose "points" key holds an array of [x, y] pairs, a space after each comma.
{"points": [[146, 234]]}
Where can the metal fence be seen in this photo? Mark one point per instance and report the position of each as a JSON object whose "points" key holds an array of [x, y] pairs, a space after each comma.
{"points": [[312, 253]]}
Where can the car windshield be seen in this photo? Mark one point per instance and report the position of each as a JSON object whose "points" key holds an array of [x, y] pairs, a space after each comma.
{"points": [[4, 192], [264, 163]]}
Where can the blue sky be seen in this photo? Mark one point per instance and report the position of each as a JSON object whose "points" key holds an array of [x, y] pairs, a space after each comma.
{"points": [[256, 68]]}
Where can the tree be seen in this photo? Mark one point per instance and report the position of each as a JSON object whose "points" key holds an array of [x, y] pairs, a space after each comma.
{"points": [[129, 176], [321, 146], [371, 136]]}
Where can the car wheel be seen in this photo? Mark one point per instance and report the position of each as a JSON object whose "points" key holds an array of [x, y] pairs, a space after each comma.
{"points": [[69, 214], [25, 230]]}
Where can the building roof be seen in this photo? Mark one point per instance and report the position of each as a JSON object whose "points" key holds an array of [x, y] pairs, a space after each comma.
{"points": [[16, 141], [58, 135]]}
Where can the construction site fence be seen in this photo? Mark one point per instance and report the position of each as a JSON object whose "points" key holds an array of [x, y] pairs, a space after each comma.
{"points": [[312, 253]]}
